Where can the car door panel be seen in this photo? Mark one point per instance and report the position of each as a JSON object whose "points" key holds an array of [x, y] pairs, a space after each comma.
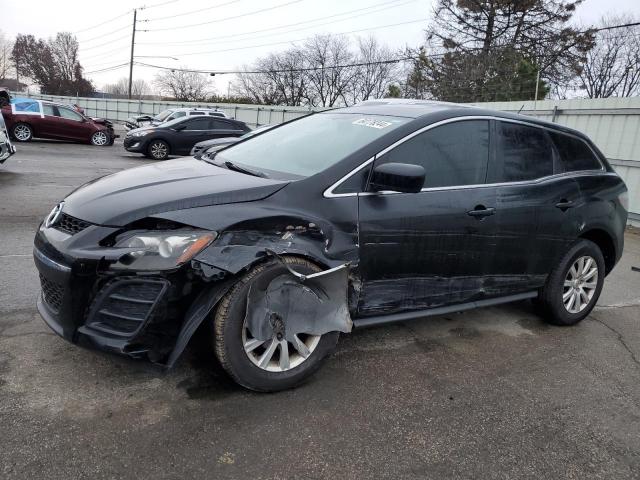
{"points": [[435, 247], [435, 256]]}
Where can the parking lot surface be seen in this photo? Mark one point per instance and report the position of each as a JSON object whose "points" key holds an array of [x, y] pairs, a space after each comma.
{"points": [[492, 393]]}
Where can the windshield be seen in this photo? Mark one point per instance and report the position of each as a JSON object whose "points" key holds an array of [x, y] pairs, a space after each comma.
{"points": [[312, 144], [162, 115]]}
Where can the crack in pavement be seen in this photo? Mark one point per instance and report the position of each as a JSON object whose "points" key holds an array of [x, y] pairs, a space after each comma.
{"points": [[620, 339]]}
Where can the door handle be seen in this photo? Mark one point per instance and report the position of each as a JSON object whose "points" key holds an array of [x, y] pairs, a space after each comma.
{"points": [[481, 211], [564, 204]]}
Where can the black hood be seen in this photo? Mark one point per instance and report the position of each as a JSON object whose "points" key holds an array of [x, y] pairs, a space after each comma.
{"points": [[217, 141], [130, 195]]}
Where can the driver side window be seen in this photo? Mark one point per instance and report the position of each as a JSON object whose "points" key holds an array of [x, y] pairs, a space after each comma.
{"points": [[69, 114], [454, 154]]}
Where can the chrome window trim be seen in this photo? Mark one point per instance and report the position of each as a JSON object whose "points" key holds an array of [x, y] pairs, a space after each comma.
{"points": [[328, 193]]}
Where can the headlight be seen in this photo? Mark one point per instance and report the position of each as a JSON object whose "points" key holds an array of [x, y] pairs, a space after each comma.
{"points": [[161, 250], [141, 133]]}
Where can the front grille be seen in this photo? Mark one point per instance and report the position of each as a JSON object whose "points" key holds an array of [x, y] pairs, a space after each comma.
{"points": [[124, 306], [70, 225], [52, 293]]}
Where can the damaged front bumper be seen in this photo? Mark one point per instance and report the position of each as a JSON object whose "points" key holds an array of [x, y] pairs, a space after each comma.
{"points": [[83, 301]]}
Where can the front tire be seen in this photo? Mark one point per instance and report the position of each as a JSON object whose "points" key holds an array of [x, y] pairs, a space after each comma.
{"points": [[100, 139], [275, 364], [22, 132], [158, 150], [574, 286]]}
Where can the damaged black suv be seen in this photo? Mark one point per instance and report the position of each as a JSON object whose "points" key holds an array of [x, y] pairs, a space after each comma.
{"points": [[377, 213]]}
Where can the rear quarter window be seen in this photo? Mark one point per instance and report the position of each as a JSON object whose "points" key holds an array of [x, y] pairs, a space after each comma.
{"points": [[575, 154], [522, 153]]}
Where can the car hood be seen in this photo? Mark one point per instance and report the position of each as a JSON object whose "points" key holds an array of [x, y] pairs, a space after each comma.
{"points": [[217, 141], [123, 197]]}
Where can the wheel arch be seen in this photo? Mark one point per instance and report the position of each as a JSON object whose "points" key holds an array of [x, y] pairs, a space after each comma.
{"points": [[604, 241]]}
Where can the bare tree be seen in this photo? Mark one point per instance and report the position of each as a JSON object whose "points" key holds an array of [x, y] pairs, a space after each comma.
{"points": [[5, 56], [286, 72], [329, 73], [183, 85], [139, 87], [612, 67], [53, 64], [376, 71], [257, 87]]}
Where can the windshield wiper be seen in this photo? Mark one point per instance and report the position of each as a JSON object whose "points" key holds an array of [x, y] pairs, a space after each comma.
{"points": [[248, 171]]}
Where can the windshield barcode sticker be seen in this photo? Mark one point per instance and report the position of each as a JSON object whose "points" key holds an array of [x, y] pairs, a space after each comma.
{"points": [[370, 122]]}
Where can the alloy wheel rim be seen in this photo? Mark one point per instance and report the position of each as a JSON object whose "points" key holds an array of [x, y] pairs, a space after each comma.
{"points": [[277, 354], [99, 138], [158, 150], [22, 132], [580, 284]]}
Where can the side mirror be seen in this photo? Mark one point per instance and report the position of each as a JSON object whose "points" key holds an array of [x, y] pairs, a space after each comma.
{"points": [[397, 177], [179, 128]]}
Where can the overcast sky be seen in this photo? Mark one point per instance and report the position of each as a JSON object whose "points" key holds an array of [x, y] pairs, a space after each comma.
{"points": [[222, 42]]}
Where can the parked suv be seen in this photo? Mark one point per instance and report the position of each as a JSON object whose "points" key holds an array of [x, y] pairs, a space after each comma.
{"points": [[383, 212], [178, 136], [168, 115]]}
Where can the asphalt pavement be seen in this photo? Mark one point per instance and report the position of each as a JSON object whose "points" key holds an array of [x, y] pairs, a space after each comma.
{"points": [[491, 393]]}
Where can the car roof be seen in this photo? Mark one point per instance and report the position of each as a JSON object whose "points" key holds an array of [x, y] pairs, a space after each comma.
{"points": [[415, 109], [196, 109]]}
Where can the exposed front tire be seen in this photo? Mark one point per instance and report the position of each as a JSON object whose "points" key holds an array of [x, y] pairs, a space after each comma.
{"points": [[574, 286], [100, 139], [275, 364], [22, 132], [158, 150]]}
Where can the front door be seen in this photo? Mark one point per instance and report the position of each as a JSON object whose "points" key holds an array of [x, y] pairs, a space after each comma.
{"points": [[435, 247], [196, 130]]}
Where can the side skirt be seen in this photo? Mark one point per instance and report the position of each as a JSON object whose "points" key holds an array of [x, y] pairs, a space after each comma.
{"points": [[431, 312]]}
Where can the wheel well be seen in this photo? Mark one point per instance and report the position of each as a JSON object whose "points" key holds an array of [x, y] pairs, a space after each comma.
{"points": [[604, 241]]}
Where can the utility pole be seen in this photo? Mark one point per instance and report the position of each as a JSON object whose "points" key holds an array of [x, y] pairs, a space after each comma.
{"points": [[535, 101], [133, 44]]}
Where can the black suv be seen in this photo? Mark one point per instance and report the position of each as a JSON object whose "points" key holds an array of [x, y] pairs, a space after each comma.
{"points": [[382, 212], [177, 137]]}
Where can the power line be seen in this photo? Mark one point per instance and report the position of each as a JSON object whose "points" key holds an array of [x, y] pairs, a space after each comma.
{"points": [[104, 34], [102, 23], [108, 69], [385, 6], [624, 25], [192, 11], [226, 18], [296, 40]]}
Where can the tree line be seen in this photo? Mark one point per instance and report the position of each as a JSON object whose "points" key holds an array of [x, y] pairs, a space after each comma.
{"points": [[473, 51]]}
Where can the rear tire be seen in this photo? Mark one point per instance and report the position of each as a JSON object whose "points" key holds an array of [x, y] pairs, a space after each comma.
{"points": [[22, 132], [574, 286], [158, 150], [230, 337]]}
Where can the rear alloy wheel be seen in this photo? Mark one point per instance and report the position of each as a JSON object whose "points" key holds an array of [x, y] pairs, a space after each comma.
{"points": [[275, 363], [158, 150], [99, 139], [22, 132], [573, 287]]}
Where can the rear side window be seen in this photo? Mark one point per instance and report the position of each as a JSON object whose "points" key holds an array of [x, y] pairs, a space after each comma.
{"points": [[200, 123], [48, 109], [222, 124], [454, 154], [196, 113], [522, 153], [575, 154]]}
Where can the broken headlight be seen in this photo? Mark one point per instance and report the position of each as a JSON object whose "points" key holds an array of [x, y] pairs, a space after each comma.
{"points": [[161, 250]]}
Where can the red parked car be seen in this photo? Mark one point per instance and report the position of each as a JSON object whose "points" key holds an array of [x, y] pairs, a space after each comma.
{"points": [[27, 118]]}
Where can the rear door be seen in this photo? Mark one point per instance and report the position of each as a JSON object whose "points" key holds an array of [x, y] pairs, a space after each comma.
{"points": [[196, 130], [535, 206], [49, 125], [435, 247]]}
